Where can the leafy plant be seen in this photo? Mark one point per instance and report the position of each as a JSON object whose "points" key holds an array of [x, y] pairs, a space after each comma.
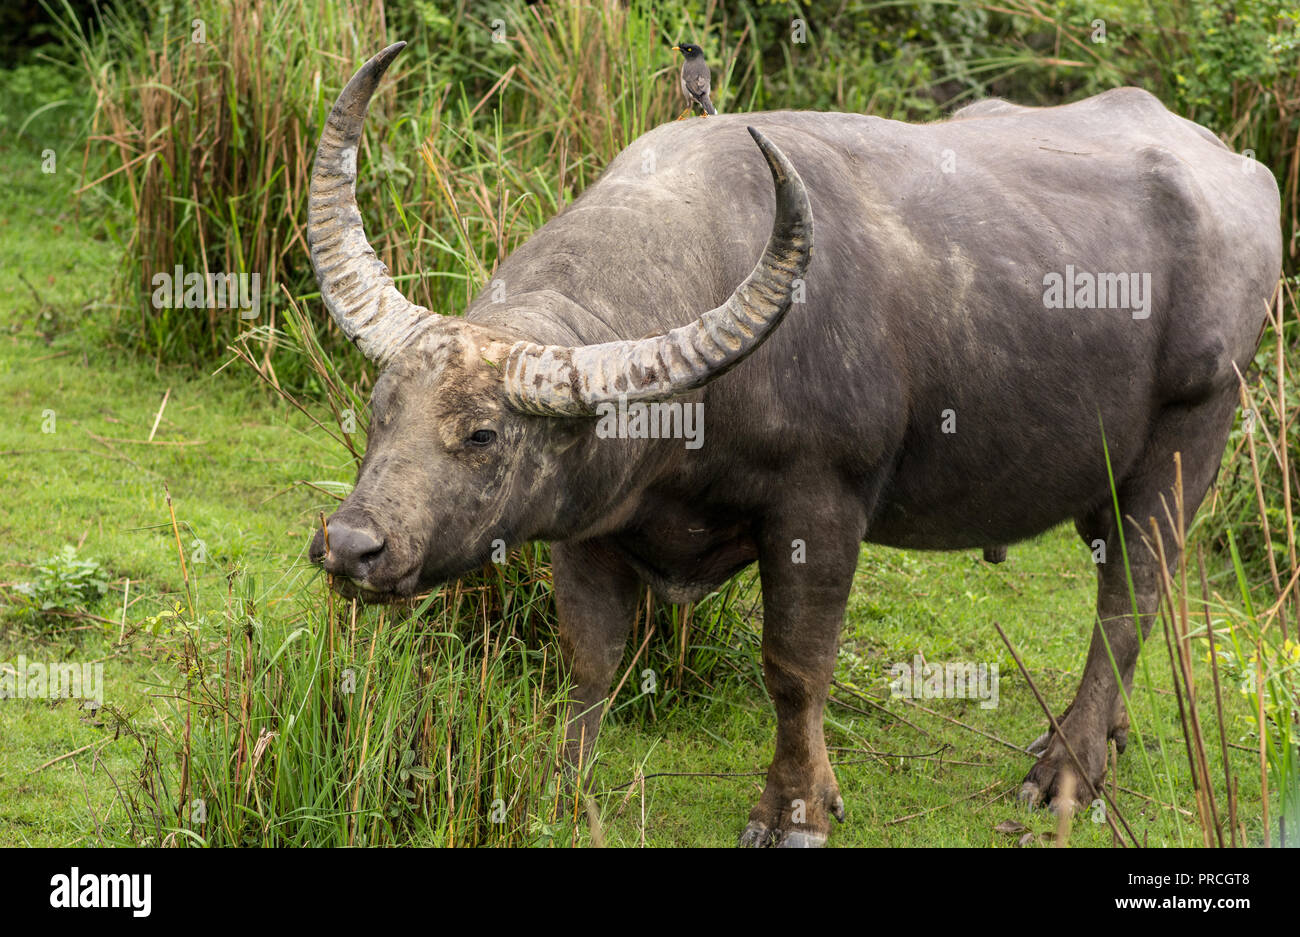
{"points": [[63, 583]]}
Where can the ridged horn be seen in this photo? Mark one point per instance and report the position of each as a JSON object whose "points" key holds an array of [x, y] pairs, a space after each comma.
{"points": [[354, 284], [555, 380]]}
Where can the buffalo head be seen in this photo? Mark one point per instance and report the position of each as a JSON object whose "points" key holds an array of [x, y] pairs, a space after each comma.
{"points": [[480, 438]]}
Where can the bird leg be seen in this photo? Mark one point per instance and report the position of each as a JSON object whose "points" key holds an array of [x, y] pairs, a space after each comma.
{"points": [[689, 108]]}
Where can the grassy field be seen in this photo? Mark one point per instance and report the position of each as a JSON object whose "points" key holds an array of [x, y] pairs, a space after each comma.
{"points": [[224, 721], [90, 484]]}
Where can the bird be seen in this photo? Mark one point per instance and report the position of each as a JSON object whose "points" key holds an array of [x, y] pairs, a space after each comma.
{"points": [[695, 80]]}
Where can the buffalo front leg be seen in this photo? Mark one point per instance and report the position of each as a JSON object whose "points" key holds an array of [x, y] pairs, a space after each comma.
{"points": [[596, 595], [806, 563]]}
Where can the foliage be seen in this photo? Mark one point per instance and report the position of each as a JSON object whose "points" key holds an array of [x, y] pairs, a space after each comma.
{"points": [[62, 583]]}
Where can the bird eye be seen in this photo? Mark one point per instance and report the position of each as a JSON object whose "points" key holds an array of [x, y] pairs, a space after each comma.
{"points": [[482, 437]]}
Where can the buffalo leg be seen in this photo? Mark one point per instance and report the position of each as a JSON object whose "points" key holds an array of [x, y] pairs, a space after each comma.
{"points": [[1097, 712], [596, 594], [806, 561], [1092, 717]]}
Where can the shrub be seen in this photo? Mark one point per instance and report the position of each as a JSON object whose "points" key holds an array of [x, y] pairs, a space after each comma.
{"points": [[63, 583]]}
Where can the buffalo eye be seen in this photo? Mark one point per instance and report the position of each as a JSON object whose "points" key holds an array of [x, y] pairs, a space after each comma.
{"points": [[482, 437]]}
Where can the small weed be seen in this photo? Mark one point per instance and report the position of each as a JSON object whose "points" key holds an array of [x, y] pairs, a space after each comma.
{"points": [[63, 583]]}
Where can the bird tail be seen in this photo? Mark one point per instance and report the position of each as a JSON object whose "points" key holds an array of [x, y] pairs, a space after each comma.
{"points": [[708, 107]]}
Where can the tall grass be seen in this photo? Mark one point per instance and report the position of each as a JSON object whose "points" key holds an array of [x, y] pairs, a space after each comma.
{"points": [[434, 723], [340, 726], [200, 152], [204, 147]]}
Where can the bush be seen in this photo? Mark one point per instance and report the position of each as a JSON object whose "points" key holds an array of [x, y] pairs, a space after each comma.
{"points": [[63, 583]]}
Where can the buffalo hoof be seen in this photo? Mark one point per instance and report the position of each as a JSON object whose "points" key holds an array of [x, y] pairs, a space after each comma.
{"points": [[1032, 794], [756, 836], [786, 834], [1055, 781], [759, 836], [802, 840], [1056, 787], [1047, 781]]}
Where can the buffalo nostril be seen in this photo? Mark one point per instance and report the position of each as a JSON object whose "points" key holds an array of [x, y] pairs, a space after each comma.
{"points": [[352, 550]]}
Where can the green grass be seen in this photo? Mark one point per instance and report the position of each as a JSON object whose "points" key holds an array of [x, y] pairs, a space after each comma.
{"points": [[235, 490]]}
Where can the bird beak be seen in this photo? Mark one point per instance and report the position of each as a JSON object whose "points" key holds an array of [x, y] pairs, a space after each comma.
{"points": [[677, 48]]}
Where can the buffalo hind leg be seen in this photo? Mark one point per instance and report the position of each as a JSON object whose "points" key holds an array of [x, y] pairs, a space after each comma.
{"points": [[596, 596], [1097, 712], [1092, 717], [806, 561]]}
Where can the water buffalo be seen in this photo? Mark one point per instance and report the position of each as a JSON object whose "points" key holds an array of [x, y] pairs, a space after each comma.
{"points": [[986, 294]]}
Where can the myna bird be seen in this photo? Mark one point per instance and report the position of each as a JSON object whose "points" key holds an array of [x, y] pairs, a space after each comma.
{"points": [[695, 80]]}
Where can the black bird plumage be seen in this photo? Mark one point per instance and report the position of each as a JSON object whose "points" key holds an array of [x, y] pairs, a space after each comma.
{"points": [[696, 80]]}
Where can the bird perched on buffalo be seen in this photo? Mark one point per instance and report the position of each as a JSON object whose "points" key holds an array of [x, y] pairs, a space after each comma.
{"points": [[696, 81]]}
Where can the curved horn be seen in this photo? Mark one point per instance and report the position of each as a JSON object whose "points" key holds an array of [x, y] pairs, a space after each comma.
{"points": [[354, 283], [554, 380]]}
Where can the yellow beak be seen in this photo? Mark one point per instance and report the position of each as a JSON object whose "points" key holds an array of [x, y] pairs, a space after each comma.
{"points": [[677, 48]]}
